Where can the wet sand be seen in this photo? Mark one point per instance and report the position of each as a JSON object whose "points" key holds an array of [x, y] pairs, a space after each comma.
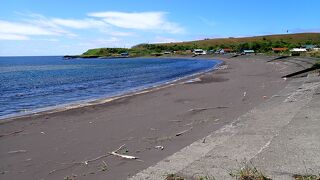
{"points": [[55, 145]]}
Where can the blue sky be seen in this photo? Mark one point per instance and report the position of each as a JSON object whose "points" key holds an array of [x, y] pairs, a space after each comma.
{"points": [[58, 27]]}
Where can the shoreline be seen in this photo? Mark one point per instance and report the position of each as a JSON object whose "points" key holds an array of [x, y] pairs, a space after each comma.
{"points": [[43, 146], [108, 99]]}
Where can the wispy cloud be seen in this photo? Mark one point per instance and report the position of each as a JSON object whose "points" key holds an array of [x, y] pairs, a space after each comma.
{"points": [[5, 36], [97, 29], [35, 25], [154, 21], [79, 24], [24, 29], [61, 24]]}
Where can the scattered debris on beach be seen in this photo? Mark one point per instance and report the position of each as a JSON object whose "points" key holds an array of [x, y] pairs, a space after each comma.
{"points": [[17, 151], [11, 133], [182, 132], [86, 162], [177, 121], [159, 147], [115, 153], [207, 108], [244, 96]]}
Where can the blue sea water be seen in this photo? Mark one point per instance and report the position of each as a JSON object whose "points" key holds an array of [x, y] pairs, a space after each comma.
{"points": [[28, 84]]}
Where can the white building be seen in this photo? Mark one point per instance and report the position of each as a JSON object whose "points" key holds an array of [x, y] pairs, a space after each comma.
{"points": [[199, 52], [297, 51]]}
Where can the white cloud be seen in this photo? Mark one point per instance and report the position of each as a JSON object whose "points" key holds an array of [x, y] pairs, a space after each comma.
{"points": [[60, 25], [4, 36], [79, 24], [47, 23], [23, 29], [114, 24], [140, 21]]}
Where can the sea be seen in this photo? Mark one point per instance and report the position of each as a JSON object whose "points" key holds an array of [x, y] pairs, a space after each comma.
{"points": [[34, 84]]}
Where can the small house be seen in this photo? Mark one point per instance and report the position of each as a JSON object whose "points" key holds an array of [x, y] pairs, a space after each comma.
{"points": [[124, 54], [248, 51], [227, 50], [278, 50], [211, 51], [156, 54], [309, 47], [316, 49], [199, 52], [298, 51]]}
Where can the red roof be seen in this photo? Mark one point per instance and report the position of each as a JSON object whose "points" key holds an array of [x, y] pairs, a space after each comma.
{"points": [[279, 49], [227, 49]]}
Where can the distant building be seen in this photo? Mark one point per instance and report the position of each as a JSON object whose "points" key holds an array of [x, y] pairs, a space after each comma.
{"points": [[316, 49], [167, 52], [309, 47], [277, 50], [219, 51], [156, 54], [199, 52], [211, 51], [297, 51], [227, 50], [124, 54], [248, 51]]}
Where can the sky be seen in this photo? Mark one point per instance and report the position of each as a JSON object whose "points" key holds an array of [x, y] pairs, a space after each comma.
{"points": [[60, 27]]}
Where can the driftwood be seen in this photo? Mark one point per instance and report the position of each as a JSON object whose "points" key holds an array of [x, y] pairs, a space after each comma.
{"points": [[11, 133], [206, 108], [86, 162], [182, 132], [159, 147], [177, 121], [244, 95], [204, 140], [122, 155], [17, 151]]}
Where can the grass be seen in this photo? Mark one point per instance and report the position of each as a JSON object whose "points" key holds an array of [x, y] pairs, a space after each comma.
{"points": [[316, 64], [291, 38], [174, 177], [315, 54], [249, 173], [306, 177], [206, 178]]}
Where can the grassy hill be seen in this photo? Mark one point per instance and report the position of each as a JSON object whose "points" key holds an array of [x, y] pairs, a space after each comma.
{"points": [[258, 43], [297, 39]]}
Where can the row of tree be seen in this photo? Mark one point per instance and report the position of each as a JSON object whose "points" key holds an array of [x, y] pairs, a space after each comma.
{"points": [[259, 46]]}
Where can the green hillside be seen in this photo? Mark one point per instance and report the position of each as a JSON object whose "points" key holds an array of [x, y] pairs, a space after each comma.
{"points": [[297, 39], [258, 43]]}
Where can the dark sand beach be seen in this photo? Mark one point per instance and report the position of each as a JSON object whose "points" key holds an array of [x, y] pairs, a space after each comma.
{"points": [[55, 145]]}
